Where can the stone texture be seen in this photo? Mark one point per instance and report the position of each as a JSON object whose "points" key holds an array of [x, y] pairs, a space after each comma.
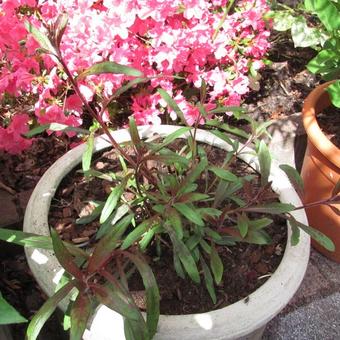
{"points": [[319, 320]]}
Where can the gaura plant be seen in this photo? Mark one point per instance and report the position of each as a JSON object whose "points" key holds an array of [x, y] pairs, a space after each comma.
{"points": [[182, 202]]}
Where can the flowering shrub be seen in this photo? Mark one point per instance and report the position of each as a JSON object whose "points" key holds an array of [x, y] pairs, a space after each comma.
{"points": [[216, 40]]}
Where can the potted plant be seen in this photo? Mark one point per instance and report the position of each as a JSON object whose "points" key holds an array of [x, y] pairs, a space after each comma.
{"points": [[179, 201], [321, 166]]}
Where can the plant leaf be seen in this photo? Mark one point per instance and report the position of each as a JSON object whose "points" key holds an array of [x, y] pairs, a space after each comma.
{"points": [[271, 208], [189, 213], [151, 292], [175, 222], [40, 37], [55, 127], [318, 236], [141, 229], [8, 314], [64, 257], [258, 237], [294, 177], [173, 105], [265, 162], [208, 279], [46, 311], [60, 27], [136, 141], [80, 314], [171, 137], [334, 92], [216, 264], [223, 174], [108, 243], [243, 224], [87, 155], [110, 67], [112, 200]]}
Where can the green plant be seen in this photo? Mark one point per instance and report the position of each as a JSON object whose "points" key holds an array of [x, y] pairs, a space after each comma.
{"points": [[324, 36], [179, 201]]}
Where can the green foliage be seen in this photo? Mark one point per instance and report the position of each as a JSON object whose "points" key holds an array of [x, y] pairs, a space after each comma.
{"points": [[8, 314]]}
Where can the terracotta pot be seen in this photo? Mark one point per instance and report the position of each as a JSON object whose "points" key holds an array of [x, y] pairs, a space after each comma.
{"points": [[320, 171], [245, 319]]}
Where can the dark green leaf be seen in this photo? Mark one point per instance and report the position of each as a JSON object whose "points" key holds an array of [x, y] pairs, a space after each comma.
{"points": [[175, 222], [151, 292], [185, 256], [110, 67], [318, 236], [212, 233], [209, 283], [272, 208], [93, 215], [171, 137], [226, 127], [87, 155], [258, 237], [189, 213], [64, 257], [294, 240], [80, 313], [216, 264], [223, 109], [8, 314], [178, 266], [260, 223], [46, 311], [294, 177], [134, 134]]}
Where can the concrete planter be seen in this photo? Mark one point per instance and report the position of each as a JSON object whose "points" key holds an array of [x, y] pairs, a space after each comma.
{"points": [[241, 320]]}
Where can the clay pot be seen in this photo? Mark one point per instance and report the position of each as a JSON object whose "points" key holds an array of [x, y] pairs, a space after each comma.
{"points": [[320, 171]]}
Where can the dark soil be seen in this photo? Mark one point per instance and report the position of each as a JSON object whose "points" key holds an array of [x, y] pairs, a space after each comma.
{"points": [[329, 122]]}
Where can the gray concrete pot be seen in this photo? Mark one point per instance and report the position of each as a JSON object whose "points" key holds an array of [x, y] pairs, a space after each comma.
{"points": [[241, 320]]}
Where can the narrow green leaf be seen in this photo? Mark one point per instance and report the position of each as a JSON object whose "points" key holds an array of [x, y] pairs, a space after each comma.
{"points": [[265, 162], [271, 208], [80, 314], [136, 141], [242, 224], [334, 92], [94, 214], [141, 229], [223, 174], [41, 38], [226, 127], [294, 240], [8, 314], [258, 237], [216, 264], [36, 241], [193, 197], [169, 159], [112, 200], [60, 27], [146, 239], [55, 127], [317, 235], [209, 282], [87, 155], [110, 67], [260, 223], [189, 213], [214, 235], [117, 300], [209, 212], [64, 257], [127, 86], [223, 109], [173, 105], [46, 311], [185, 256], [175, 221], [294, 177], [178, 266], [108, 243], [171, 137], [151, 292]]}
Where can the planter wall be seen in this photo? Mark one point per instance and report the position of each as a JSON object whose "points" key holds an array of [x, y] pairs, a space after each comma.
{"points": [[241, 320], [320, 171]]}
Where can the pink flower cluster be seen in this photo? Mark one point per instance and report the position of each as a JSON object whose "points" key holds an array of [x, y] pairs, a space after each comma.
{"points": [[161, 38]]}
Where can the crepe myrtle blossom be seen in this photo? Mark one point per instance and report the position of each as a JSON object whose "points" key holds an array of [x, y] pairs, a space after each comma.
{"points": [[187, 38]]}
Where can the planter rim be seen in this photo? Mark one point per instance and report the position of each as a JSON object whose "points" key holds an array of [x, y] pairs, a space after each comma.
{"points": [[231, 322], [313, 130]]}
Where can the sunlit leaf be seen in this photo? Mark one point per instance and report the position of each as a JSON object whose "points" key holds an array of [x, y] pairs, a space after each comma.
{"points": [[110, 67], [41, 38], [87, 155], [223, 174], [8, 314], [46, 311], [265, 162]]}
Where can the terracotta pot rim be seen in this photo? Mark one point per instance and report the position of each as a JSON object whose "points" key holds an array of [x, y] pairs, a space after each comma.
{"points": [[313, 130]]}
